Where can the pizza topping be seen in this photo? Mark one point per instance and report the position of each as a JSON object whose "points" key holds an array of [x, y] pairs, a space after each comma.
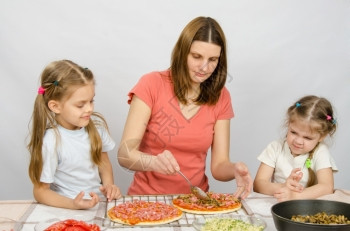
{"points": [[216, 200], [142, 211], [218, 203]]}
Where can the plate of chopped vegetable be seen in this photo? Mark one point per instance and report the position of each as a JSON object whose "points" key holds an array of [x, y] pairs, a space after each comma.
{"points": [[229, 222]]}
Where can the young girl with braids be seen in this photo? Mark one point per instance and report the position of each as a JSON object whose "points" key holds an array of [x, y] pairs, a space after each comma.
{"points": [[69, 165], [300, 166]]}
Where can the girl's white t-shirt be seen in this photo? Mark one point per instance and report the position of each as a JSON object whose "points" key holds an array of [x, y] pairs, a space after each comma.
{"points": [[68, 168], [278, 156]]}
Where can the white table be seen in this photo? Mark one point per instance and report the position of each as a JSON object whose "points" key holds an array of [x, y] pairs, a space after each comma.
{"points": [[25, 215]]}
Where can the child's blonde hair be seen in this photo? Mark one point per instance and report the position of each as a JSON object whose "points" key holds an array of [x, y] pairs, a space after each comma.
{"points": [[58, 81], [319, 113]]}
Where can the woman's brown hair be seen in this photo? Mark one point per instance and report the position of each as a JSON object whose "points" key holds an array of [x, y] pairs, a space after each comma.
{"points": [[203, 29]]}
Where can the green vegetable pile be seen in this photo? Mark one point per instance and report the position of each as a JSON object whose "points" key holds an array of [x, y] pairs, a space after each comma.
{"points": [[229, 224]]}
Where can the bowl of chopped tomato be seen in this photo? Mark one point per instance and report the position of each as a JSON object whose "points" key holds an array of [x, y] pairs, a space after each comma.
{"points": [[76, 223]]}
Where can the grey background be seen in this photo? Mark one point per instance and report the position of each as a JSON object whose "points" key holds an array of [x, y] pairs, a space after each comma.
{"points": [[278, 51]]}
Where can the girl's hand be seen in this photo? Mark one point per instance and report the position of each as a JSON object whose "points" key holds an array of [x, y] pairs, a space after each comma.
{"points": [[292, 182], [285, 194], [80, 203], [111, 191], [243, 179], [165, 163]]}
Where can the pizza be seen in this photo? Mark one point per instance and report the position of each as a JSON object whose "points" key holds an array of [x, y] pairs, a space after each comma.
{"points": [[71, 224], [218, 203], [139, 212]]}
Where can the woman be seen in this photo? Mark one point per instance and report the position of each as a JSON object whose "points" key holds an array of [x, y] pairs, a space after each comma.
{"points": [[176, 115]]}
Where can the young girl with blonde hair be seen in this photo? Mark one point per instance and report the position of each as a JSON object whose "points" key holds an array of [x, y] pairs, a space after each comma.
{"points": [[300, 167], [69, 165]]}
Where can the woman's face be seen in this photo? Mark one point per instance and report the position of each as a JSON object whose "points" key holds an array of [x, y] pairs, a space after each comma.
{"points": [[202, 60]]}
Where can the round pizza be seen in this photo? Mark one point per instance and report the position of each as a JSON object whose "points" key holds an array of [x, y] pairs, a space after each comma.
{"points": [[218, 203], [140, 212]]}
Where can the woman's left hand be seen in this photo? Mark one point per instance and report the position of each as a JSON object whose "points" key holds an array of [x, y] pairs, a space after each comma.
{"points": [[243, 180]]}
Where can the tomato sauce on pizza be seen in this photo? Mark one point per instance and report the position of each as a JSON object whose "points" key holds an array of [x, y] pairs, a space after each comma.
{"points": [[218, 203]]}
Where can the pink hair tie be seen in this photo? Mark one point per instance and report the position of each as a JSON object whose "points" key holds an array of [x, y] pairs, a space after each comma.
{"points": [[329, 117], [41, 90]]}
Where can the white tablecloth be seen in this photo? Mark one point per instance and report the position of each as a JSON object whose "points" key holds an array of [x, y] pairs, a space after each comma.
{"points": [[25, 215]]}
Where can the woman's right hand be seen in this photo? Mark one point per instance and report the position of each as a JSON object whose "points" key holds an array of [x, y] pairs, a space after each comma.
{"points": [[292, 182], [165, 163]]}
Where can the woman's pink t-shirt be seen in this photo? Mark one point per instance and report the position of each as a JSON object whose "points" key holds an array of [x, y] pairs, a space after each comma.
{"points": [[187, 139]]}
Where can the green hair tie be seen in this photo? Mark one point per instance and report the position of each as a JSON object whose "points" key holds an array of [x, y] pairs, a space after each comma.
{"points": [[308, 163]]}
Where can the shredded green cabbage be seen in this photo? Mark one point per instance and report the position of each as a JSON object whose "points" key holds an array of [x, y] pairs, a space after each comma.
{"points": [[229, 224]]}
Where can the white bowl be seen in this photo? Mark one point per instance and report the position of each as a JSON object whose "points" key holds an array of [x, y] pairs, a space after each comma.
{"points": [[253, 220]]}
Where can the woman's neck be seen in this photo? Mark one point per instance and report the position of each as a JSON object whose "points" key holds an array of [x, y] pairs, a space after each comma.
{"points": [[194, 92]]}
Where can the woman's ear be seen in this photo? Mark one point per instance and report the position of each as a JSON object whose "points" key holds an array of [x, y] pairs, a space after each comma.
{"points": [[54, 106]]}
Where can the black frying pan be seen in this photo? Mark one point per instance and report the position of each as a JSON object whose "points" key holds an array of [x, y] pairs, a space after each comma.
{"points": [[283, 211]]}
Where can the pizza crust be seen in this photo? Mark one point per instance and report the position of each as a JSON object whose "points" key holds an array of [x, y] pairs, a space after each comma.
{"points": [[202, 212]]}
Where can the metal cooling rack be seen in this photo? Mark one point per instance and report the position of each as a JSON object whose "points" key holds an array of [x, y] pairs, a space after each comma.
{"points": [[185, 221]]}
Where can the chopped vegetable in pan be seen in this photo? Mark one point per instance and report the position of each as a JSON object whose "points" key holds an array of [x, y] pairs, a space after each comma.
{"points": [[321, 218]]}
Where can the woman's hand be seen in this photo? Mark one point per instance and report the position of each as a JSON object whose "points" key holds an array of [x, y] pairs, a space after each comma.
{"points": [[243, 180], [111, 191], [80, 203], [165, 163], [292, 182]]}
